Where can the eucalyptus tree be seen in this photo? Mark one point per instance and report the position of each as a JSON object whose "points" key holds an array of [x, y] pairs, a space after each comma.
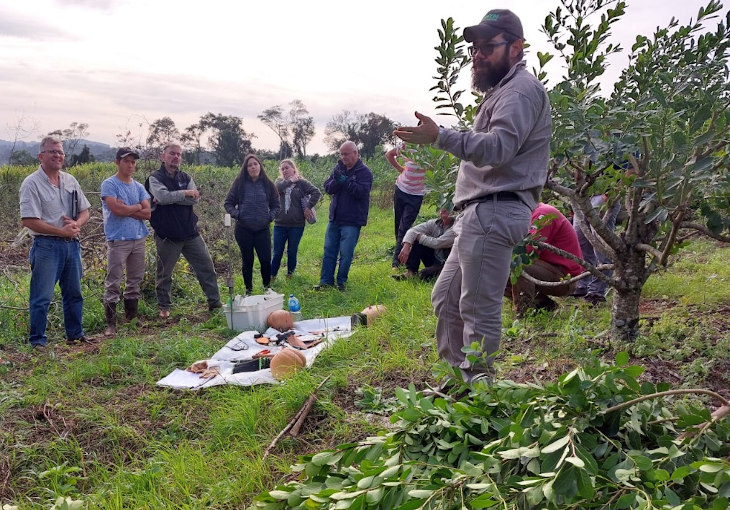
{"points": [[658, 141]]}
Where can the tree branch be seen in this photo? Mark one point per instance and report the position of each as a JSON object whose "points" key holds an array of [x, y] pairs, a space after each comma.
{"points": [[696, 391], [567, 281], [704, 230], [649, 249], [595, 271]]}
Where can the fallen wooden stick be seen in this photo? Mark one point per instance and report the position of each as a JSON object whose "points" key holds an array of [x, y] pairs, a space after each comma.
{"points": [[298, 419]]}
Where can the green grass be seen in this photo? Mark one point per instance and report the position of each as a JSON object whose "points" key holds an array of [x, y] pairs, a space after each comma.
{"points": [[91, 424]]}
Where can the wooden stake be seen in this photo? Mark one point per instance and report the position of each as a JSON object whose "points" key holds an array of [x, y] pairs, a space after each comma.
{"points": [[296, 423]]}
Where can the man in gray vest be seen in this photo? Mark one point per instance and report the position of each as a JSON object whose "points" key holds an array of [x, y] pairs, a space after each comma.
{"points": [[176, 230], [502, 172]]}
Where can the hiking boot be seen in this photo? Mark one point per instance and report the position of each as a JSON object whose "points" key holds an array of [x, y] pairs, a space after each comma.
{"points": [[322, 286], [110, 310], [131, 309], [215, 306]]}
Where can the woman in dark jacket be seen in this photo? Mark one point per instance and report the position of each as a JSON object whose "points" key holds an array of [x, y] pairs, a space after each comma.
{"points": [[254, 202], [297, 198]]}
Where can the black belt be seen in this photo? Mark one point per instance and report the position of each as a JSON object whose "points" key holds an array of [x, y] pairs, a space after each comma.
{"points": [[57, 238], [502, 196]]}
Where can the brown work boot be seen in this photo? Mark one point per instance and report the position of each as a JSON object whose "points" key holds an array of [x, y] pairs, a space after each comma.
{"points": [[131, 307], [110, 310]]}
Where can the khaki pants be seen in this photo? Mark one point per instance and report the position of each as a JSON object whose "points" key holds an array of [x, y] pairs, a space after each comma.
{"points": [[467, 296], [124, 256]]}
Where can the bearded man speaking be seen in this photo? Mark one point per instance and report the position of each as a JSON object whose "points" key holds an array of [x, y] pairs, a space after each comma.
{"points": [[503, 169]]}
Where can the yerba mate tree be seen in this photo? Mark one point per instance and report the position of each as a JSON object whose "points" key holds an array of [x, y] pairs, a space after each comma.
{"points": [[657, 140]]}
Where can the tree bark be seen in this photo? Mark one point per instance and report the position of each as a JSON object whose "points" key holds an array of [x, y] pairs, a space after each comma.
{"points": [[625, 314]]}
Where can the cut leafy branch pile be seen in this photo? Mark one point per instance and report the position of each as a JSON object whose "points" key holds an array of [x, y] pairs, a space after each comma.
{"points": [[528, 446]]}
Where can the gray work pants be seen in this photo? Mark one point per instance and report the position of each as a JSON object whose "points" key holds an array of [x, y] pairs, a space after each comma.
{"points": [[467, 296], [124, 256], [196, 253]]}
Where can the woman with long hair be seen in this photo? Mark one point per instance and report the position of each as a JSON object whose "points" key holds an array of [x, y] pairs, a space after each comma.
{"points": [[297, 198], [254, 203]]}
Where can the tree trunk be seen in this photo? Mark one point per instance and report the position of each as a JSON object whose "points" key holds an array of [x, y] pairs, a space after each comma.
{"points": [[625, 314], [632, 274]]}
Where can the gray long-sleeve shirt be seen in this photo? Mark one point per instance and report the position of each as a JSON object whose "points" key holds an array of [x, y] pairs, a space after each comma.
{"points": [[434, 234], [509, 146]]}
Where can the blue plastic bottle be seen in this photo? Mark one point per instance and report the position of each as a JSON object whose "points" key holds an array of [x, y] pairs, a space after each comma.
{"points": [[295, 308]]}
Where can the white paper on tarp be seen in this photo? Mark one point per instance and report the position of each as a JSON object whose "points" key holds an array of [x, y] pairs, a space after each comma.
{"points": [[243, 346]]}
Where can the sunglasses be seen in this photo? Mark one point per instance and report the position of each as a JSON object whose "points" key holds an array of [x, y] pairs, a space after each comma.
{"points": [[485, 49]]}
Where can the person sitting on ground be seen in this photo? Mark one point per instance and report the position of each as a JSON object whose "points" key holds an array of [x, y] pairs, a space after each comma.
{"points": [[592, 288], [297, 198], [429, 242], [555, 230]]}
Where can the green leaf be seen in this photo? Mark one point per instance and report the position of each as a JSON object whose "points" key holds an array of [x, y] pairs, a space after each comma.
{"points": [[420, 493], [556, 445], [643, 463], [575, 461], [680, 473], [622, 359]]}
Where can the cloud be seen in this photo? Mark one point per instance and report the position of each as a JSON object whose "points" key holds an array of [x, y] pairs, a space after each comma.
{"points": [[100, 5], [31, 28]]}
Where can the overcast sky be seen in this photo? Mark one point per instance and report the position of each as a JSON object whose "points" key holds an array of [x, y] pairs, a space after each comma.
{"points": [[116, 64]]}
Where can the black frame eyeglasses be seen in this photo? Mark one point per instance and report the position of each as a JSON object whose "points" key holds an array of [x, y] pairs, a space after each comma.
{"points": [[485, 49]]}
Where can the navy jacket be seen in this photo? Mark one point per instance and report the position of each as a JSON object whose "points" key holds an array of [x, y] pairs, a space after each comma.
{"points": [[350, 190]]}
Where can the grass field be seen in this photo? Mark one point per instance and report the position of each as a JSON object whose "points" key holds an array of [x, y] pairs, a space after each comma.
{"points": [[88, 422]]}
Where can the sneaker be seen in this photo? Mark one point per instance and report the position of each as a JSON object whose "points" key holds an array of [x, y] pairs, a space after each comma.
{"points": [[322, 286], [545, 303], [595, 299], [341, 287], [405, 276], [39, 347], [215, 306], [164, 314], [82, 340]]}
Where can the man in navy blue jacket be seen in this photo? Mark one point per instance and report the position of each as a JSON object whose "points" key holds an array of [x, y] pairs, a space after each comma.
{"points": [[349, 185]]}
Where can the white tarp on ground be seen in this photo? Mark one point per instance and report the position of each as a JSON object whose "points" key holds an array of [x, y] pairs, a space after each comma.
{"points": [[244, 346]]}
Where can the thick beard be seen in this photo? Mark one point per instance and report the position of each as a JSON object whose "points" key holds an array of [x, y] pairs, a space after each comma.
{"points": [[488, 77]]}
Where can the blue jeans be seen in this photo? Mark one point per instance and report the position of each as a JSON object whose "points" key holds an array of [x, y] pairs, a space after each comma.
{"points": [[54, 261], [338, 240], [591, 254], [289, 236]]}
